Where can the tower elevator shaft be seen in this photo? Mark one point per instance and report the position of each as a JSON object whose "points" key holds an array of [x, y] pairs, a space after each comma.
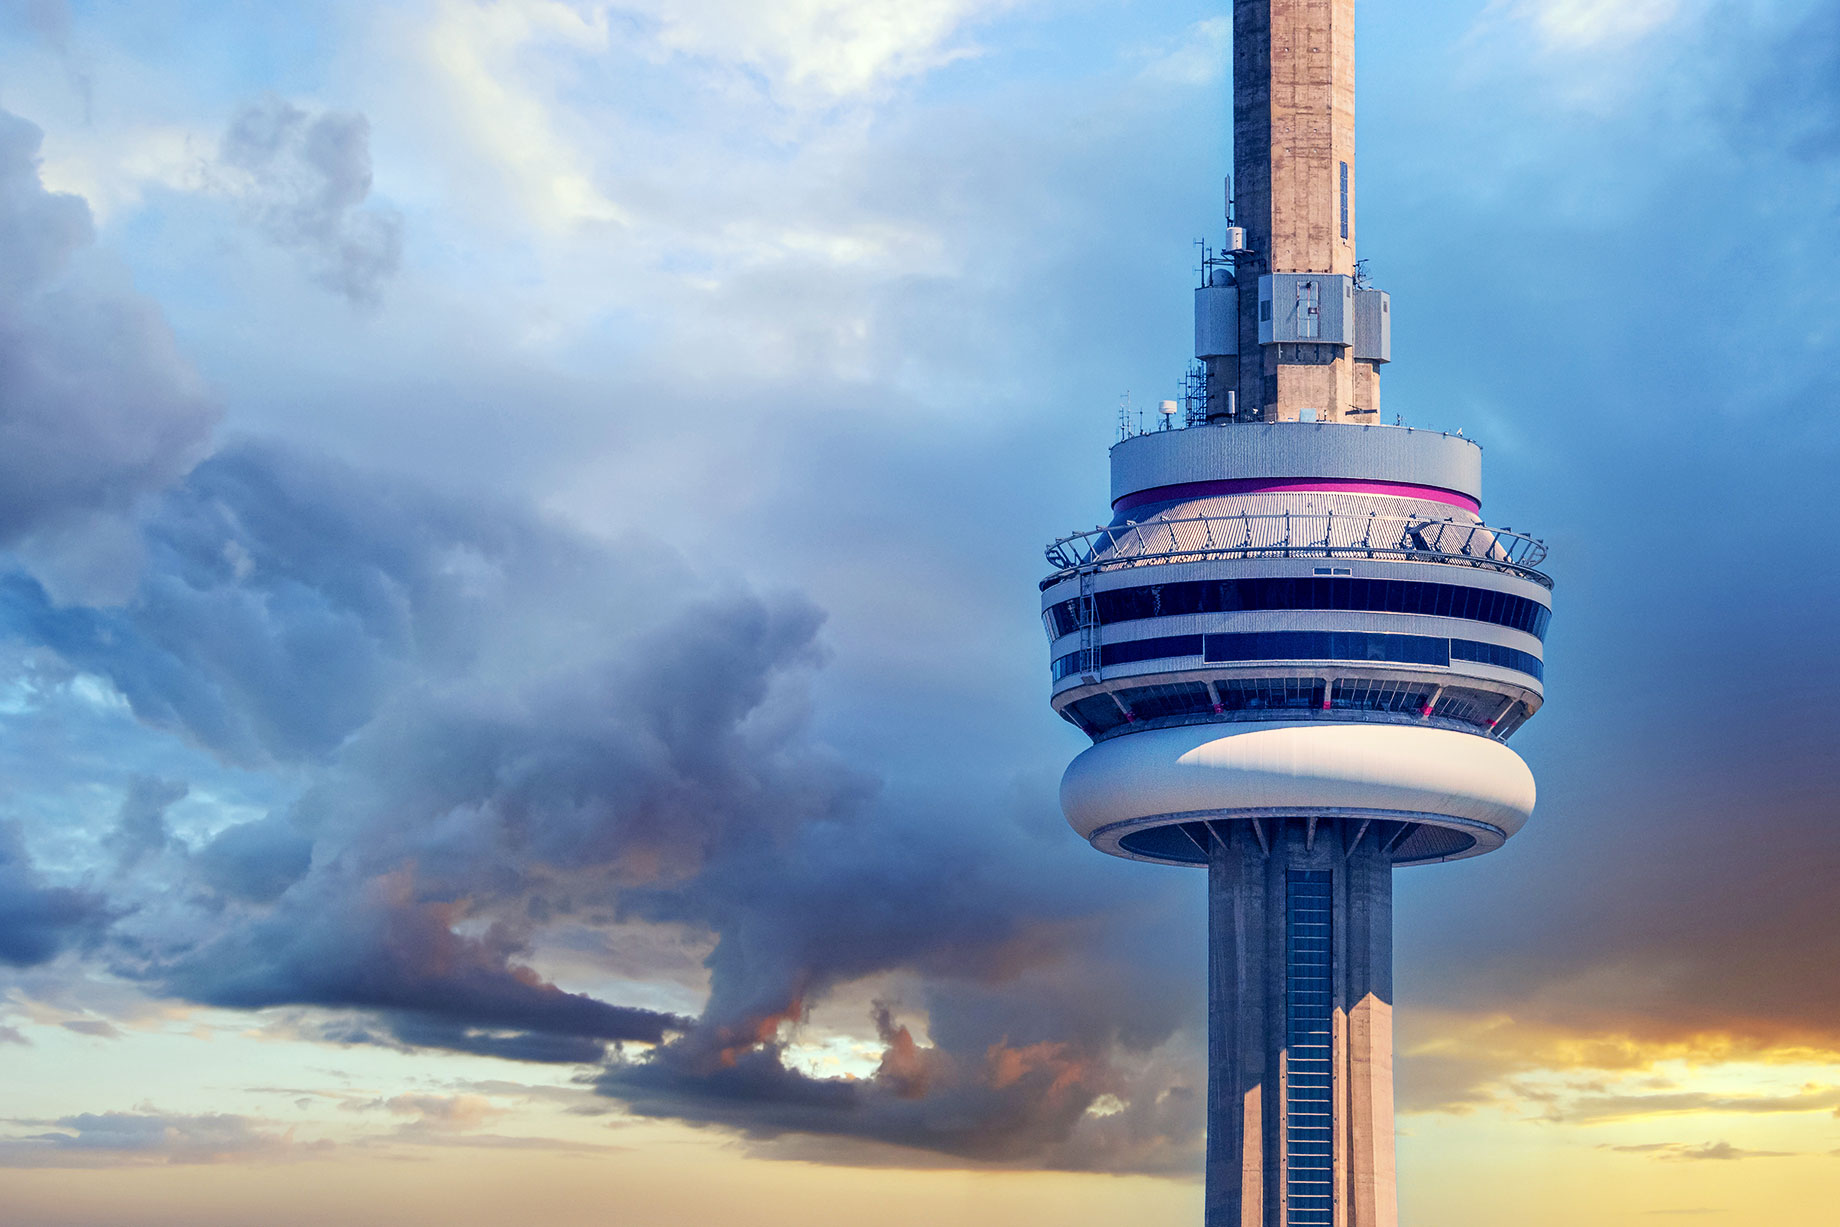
{"points": [[1300, 1023]]}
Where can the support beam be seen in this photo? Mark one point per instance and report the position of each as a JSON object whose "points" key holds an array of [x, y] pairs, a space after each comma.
{"points": [[1359, 834]]}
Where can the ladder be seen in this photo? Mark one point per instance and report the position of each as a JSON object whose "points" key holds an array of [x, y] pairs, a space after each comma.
{"points": [[1089, 626]]}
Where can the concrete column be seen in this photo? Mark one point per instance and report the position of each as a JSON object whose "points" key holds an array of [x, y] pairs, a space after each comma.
{"points": [[1369, 1184], [1293, 131], [1238, 1044], [1248, 1023]]}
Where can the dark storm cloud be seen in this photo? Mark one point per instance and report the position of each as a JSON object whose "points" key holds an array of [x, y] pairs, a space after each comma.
{"points": [[304, 179], [502, 726], [255, 861], [372, 945], [37, 921], [97, 408], [1029, 1006], [1054, 1103]]}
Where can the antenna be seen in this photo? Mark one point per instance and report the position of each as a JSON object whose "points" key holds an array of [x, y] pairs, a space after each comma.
{"points": [[1229, 197]]}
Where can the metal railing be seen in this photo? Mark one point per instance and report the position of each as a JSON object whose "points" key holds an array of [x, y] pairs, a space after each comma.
{"points": [[1299, 535]]}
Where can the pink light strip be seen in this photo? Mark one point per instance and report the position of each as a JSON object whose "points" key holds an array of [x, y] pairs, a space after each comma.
{"points": [[1291, 485]]}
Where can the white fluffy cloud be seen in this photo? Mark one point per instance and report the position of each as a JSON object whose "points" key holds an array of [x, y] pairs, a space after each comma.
{"points": [[1596, 23], [822, 50]]}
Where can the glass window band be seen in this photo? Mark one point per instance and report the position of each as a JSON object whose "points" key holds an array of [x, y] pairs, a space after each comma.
{"points": [[1277, 593]]}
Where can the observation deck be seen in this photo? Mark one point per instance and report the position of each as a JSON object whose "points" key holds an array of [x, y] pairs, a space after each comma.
{"points": [[1316, 572], [1371, 536]]}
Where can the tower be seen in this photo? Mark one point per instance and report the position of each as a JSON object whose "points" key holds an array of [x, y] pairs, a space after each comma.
{"points": [[1299, 652]]}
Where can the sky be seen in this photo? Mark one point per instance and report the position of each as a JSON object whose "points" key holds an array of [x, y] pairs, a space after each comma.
{"points": [[522, 695]]}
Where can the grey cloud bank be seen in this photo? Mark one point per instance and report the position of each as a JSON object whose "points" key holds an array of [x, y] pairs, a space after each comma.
{"points": [[503, 726], [97, 406], [39, 921]]}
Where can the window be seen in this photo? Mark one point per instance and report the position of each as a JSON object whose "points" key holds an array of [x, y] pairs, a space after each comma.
{"points": [[1468, 706], [1169, 702], [1344, 200], [1189, 703], [1326, 645], [1270, 694], [1331, 591], [1495, 654], [1068, 665], [1308, 645], [1150, 649], [1095, 715], [1367, 695]]}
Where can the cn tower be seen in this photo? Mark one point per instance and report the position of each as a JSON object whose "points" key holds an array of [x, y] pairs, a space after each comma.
{"points": [[1298, 649]]}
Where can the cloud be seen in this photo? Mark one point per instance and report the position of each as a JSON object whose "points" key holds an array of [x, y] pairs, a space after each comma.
{"points": [[1622, 1107], [373, 945], [255, 861], [304, 178], [825, 50], [1028, 1105], [38, 922], [444, 1111], [141, 1137], [140, 827], [1682, 1152], [1584, 24], [1201, 55], [501, 727], [95, 1028], [97, 407]]}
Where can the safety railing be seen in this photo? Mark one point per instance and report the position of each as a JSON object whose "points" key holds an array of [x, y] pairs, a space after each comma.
{"points": [[1298, 535]]}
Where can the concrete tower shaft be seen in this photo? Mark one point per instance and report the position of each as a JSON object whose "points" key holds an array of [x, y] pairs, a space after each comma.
{"points": [[1310, 334], [1300, 985], [1293, 131]]}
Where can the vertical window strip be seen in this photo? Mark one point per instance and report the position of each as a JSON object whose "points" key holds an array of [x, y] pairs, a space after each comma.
{"points": [[1310, 1044]]}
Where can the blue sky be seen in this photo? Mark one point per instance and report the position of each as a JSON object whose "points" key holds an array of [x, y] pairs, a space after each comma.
{"points": [[522, 532]]}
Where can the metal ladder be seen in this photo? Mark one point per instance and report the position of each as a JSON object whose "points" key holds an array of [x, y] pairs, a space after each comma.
{"points": [[1089, 626]]}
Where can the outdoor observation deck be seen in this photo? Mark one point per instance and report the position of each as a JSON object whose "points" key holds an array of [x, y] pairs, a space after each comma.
{"points": [[1338, 615], [1159, 541]]}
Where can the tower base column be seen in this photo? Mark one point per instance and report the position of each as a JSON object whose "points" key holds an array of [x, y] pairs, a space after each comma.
{"points": [[1300, 1040]]}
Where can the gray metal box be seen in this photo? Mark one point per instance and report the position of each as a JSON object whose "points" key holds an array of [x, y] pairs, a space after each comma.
{"points": [[1315, 308], [1373, 325], [1216, 321]]}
